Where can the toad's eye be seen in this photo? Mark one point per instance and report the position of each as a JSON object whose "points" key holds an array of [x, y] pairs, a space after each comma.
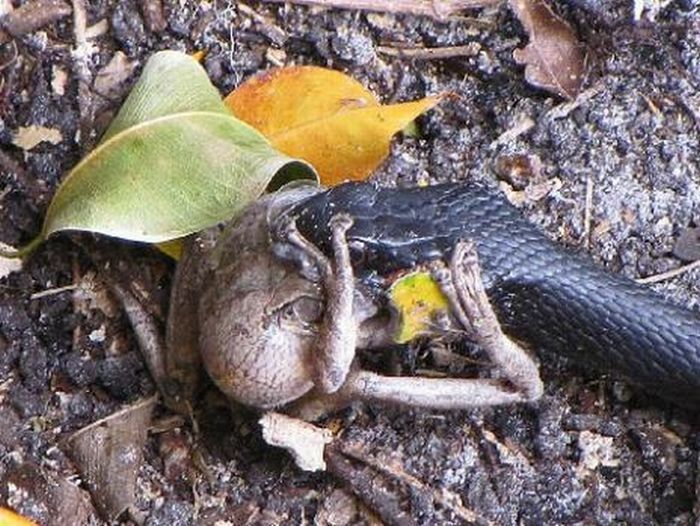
{"points": [[305, 309]]}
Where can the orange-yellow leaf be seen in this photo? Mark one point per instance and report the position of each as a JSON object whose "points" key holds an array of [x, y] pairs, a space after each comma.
{"points": [[10, 518], [282, 99], [418, 299], [324, 117], [199, 56]]}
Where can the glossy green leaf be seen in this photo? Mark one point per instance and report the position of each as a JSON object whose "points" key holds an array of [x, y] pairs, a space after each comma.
{"points": [[174, 161], [168, 177], [171, 82]]}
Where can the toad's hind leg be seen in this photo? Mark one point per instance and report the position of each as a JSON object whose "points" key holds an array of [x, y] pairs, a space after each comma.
{"points": [[462, 285], [469, 304]]}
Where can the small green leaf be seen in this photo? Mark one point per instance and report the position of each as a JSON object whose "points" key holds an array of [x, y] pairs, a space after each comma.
{"points": [[168, 177], [174, 161]]}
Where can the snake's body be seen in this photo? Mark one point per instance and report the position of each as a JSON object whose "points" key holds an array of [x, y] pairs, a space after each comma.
{"points": [[544, 294]]}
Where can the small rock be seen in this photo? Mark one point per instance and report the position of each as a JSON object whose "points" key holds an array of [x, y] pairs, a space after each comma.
{"points": [[352, 47]]}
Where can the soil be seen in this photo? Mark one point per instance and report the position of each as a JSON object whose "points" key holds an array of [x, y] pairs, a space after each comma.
{"points": [[592, 451]]}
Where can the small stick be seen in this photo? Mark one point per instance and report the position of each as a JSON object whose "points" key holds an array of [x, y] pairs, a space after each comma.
{"points": [[444, 497], [431, 53], [438, 9], [523, 125], [363, 482], [657, 278], [81, 70], [52, 292]]}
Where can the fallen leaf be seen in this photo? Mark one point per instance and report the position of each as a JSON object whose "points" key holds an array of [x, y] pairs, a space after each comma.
{"points": [[108, 454], [554, 59], [29, 137], [10, 518], [324, 117], [44, 495], [305, 442], [174, 161], [418, 300]]}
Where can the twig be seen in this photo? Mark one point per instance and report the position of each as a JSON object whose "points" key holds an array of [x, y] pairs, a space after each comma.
{"points": [[588, 212], [275, 33], [446, 498], [432, 53], [81, 54], [52, 292], [523, 125], [657, 278], [439, 9], [364, 483], [563, 110]]}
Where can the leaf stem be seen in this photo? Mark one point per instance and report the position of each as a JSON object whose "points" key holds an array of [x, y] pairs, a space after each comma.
{"points": [[23, 251]]}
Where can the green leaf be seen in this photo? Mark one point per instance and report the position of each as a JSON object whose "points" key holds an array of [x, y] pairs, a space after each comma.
{"points": [[174, 161], [171, 82], [167, 178]]}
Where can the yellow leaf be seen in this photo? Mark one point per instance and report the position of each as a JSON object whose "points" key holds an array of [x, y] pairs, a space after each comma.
{"points": [[324, 117], [418, 299], [10, 518], [171, 248]]}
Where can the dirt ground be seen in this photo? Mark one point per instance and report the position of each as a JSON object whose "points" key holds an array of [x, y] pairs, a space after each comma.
{"points": [[592, 451]]}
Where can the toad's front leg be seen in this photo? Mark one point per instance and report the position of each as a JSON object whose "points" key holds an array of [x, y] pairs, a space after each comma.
{"points": [[337, 339]]}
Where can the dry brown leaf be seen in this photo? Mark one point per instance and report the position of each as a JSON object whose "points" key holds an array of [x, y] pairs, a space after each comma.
{"points": [[108, 454], [554, 59]]}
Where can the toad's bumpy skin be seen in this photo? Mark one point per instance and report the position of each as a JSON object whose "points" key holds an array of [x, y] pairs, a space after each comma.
{"points": [[543, 294]]}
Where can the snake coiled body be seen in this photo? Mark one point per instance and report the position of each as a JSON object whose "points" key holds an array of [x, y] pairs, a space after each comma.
{"points": [[544, 294]]}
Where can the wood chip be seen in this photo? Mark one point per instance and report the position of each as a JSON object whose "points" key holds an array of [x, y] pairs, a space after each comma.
{"points": [[305, 442], [112, 77], [153, 16], [29, 137], [31, 16]]}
